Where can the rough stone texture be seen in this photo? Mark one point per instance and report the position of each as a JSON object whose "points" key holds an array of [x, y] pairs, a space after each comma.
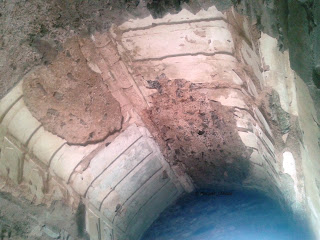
{"points": [[295, 25], [70, 100], [32, 32], [198, 133], [21, 220]]}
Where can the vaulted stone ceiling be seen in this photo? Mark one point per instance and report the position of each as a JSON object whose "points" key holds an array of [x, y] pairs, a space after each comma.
{"points": [[123, 107]]}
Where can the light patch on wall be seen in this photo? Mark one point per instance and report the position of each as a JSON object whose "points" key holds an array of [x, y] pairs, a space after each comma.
{"points": [[289, 167]]}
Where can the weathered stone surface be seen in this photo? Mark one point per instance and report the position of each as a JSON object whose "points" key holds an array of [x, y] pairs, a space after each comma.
{"points": [[117, 171], [92, 225], [200, 38], [34, 178], [23, 125], [11, 161], [198, 133], [9, 100], [44, 145], [281, 117], [126, 189], [85, 174], [67, 159], [69, 100]]}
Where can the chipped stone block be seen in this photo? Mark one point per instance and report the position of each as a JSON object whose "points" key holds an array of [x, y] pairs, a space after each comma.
{"points": [[34, 178], [67, 158], [82, 178], [11, 161], [44, 145], [249, 139], [9, 100], [256, 158], [228, 97], [244, 123], [23, 125]]}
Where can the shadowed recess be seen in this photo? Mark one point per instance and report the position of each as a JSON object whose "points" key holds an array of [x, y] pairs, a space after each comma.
{"points": [[227, 215]]}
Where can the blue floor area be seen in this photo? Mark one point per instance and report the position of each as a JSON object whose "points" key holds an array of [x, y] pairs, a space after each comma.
{"points": [[226, 216]]}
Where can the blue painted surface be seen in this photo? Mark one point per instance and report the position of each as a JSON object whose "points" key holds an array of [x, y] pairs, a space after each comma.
{"points": [[226, 216]]}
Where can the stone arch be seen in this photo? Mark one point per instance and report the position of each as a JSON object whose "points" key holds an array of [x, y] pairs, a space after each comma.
{"points": [[194, 76]]}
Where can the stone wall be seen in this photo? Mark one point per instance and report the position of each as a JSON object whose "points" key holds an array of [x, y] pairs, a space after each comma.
{"points": [[124, 181], [206, 101]]}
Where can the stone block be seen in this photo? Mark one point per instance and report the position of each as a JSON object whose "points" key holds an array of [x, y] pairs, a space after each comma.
{"points": [[56, 191], [197, 69], [121, 75], [264, 140], [184, 39], [83, 178], [34, 178], [3, 132], [51, 232], [117, 172], [93, 225], [235, 78], [125, 190], [252, 88], [23, 125], [249, 139], [12, 112], [10, 99], [110, 54], [135, 97], [262, 120], [100, 39], [120, 97], [11, 161], [251, 59], [149, 212], [67, 159], [244, 123], [44, 145], [183, 15], [133, 205], [106, 232], [228, 97], [256, 158]]}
